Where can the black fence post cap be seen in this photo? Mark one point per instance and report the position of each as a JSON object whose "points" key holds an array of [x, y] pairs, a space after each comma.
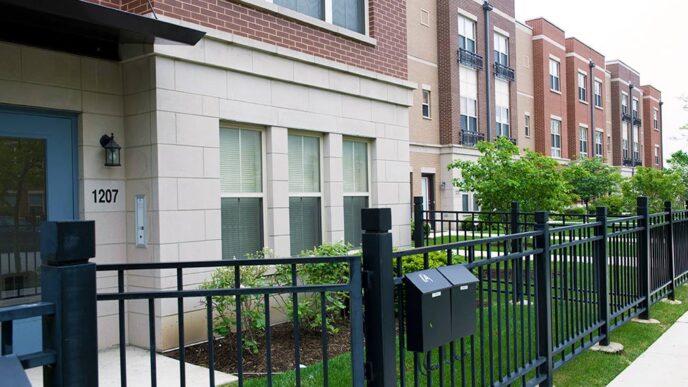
{"points": [[68, 242], [642, 202], [418, 200], [601, 211], [376, 219]]}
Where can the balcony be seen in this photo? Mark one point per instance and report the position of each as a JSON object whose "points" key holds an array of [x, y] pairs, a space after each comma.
{"points": [[470, 59], [637, 121], [471, 139], [504, 72], [632, 162], [626, 117]]}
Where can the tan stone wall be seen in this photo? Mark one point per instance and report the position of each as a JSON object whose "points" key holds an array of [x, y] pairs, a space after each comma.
{"points": [[524, 84]]}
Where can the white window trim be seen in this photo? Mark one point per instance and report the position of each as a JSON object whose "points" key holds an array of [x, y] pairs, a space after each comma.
{"points": [[368, 168], [422, 104], [323, 24], [467, 15], [549, 74], [584, 86], [530, 123], [422, 12], [322, 177]]}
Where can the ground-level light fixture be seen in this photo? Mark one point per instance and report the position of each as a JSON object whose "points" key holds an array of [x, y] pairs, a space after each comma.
{"points": [[112, 148]]}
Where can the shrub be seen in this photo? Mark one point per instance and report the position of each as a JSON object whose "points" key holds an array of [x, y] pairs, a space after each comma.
{"points": [[320, 273], [412, 263], [252, 313], [615, 203]]}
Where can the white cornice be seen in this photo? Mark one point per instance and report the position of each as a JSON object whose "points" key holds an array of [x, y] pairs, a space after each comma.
{"points": [[550, 41]]}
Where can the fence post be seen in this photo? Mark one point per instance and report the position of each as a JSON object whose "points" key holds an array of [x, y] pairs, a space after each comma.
{"points": [[601, 260], [69, 281], [516, 248], [378, 298], [418, 226], [644, 270], [670, 248], [543, 294]]}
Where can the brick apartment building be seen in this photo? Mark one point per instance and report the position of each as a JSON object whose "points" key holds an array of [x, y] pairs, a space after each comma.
{"points": [[273, 130], [464, 66], [652, 124]]}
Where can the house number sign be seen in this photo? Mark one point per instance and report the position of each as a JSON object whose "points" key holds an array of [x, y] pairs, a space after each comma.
{"points": [[105, 195]]}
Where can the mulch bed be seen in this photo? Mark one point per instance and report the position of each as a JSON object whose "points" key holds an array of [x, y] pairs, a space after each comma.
{"points": [[282, 350]]}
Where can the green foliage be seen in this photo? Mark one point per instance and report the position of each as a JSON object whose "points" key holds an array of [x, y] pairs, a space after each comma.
{"points": [[658, 186], [678, 163], [412, 263], [320, 273], [615, 203], [503, 174], [576, 211], [252, 306], [591, 179]]}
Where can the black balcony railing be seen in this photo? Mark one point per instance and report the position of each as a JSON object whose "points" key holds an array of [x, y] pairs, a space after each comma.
{"points": [[632, 162], [637, 121], [504, 72], [470, 59], [626, 117], [471, 139]]}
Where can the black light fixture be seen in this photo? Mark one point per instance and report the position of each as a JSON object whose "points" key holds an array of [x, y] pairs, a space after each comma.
{"points": [[112, 149]]}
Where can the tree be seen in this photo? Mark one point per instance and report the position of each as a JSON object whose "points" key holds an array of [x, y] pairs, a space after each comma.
{"points": [[658, 186], [678, 163], [591, 179], [502, 175]]}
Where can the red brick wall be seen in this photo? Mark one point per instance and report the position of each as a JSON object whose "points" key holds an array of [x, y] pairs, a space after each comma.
{"points": [[448, 67], [387, 20], [547, 102], [621, 72], [579, 112], [652, 137]]}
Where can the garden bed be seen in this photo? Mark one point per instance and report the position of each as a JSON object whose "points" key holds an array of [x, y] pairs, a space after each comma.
{"points": [[282, 350]]}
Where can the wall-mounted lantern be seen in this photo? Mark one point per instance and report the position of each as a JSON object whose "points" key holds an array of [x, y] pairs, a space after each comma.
{"points": [[112, 149]]}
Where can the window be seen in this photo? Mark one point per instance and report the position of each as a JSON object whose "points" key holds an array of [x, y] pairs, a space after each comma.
{"points": [[636, 149], [526, 128], [304, 193], [344, 13], [466, 34], [355, 154], [598, 144], [657, 155], [583, 141], [598, 94], [501, 49], [582, 90], [555, 127], [465, 201], [476, 203], [468, 105], [425, 106], [554, 75], [655, 119], [502, 118], [469, 115], [635, 108], [624, 142], [624, 104], [241, 187], [502, 108]]}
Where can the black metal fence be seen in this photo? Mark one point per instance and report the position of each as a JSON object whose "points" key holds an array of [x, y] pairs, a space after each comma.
{"points": [[546, 292]]}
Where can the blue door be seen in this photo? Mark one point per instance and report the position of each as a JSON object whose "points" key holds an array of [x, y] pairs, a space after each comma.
{"points": [[37, 183]]}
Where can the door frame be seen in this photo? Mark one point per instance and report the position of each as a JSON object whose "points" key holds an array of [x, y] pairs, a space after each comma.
{"points": [[74, 132]]}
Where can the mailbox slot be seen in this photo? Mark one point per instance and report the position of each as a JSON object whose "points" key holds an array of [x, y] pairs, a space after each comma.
{"points": [[428, 299], [463, 307]]}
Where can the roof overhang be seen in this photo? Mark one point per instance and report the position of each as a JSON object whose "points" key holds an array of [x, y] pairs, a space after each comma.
{"points": [[83, 28]]}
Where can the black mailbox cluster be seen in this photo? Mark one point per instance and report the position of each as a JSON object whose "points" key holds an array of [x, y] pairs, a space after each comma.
{"points": [[440, 306]]}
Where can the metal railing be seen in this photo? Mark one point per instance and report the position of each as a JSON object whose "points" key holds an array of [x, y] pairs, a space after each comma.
{"points": [[632, 162], [471, 139], [504, 72], [470, 59], [626, 117]]}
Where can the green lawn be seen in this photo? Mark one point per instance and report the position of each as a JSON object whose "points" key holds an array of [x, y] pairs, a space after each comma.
{"points": [[588, 369]]}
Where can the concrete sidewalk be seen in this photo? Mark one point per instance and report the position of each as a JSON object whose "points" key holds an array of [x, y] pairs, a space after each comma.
{"points": [[138, 370], [665, 363]]}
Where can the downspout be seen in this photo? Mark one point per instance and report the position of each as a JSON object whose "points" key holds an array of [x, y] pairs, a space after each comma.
{"points": [[661, 134], [592, 148], [630, 129], [487, 7]]}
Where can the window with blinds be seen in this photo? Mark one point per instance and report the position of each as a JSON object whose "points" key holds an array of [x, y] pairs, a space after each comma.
{"points": [[304, 193], [241, 187], [355, 163]]}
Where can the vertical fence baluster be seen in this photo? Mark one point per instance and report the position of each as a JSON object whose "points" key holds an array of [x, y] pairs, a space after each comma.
{"points": [[180, 325], [6, 336], [122, 331], [600, 258], [418, 224], [543, 297], [670, 249], [323, 337], [151, 341], [211, 341], [239, 328], [356, 300], [268, 340], [297, 328]]}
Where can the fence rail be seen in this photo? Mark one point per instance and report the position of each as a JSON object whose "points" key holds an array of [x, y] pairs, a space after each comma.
{"points": [[549, 287]]}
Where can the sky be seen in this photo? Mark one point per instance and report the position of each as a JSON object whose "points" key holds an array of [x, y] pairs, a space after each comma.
{"points": [[651, 36]]}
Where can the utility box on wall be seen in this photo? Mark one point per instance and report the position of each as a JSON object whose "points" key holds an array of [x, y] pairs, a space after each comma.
{"points": [[428, 302], [463, 307]]}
